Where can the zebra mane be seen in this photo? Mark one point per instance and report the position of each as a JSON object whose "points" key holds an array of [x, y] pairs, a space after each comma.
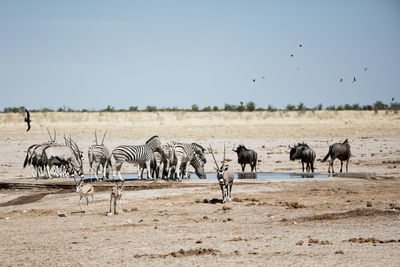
{"points": [[202, 148], [156, 136]]}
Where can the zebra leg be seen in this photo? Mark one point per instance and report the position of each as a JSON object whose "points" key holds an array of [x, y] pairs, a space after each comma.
{"points": [[161, 171], [118, 168], [149, 177]]}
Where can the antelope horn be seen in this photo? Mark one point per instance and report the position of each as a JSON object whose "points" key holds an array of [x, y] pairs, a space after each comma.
{"points": [[95, 136], [104, 136], [55, 135], [223, 162], [216, 164], [51, 139]]}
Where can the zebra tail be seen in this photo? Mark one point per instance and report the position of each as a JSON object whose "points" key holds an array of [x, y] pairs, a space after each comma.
{"points": [[327, 155]]}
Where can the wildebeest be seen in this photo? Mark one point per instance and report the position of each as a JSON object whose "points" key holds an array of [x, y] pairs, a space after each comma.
{"points": [[306, 154], [225, 178], [246, 156], [340, 151]]}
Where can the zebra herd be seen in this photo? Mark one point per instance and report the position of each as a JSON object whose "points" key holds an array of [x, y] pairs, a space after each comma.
{"points": [[167, 161]]}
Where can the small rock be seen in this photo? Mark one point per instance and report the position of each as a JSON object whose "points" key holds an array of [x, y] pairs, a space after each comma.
{"points": [[199, 242], [62, 214], [7, 218], [369, 204], [24, 211], [129, 221], [141, 220], [169, 204], [109, 213], [299, 243], [294, 222]]}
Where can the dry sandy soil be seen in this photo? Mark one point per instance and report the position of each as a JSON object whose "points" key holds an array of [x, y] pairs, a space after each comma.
{"points": [[330, 221]]}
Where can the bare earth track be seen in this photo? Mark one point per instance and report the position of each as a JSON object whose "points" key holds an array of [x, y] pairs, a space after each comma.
{"points": [[332, 221]]}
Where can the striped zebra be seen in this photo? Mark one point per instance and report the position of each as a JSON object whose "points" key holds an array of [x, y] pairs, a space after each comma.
{"points": [[198, 165], [156, 162], [183, 154], [99, 155], [135, 154]]}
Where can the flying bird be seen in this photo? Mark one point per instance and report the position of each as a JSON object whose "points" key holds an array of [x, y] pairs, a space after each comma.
{"points": [[28, 119], [300, 45], [291, 55], [392, 99], [354, 80], [365, 69], [341, 80], [263, 77], [254, 80]]}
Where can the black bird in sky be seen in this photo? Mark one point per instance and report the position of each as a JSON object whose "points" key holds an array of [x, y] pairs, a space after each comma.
{"points": [[254, 80], [300, 45], [354, 80], [28, 120], [392, 99], [341, 80]]}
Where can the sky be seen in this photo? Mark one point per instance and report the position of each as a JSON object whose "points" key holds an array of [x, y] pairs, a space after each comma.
{"points": [[91, 54]]}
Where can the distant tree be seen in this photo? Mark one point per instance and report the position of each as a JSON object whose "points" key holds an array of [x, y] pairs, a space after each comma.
{"points": [[271, 108], [47, 110], [133, 108], [195, 107], [250, 106], [318, 107], [348, 107], [241, 107], [301, 106], [151, 108], [215, 108], [109, 109], [208, 108], [355, 107], [229, 107], [339, 107], [333, 107], [378, 105], [13, 109], [395, 106], [367, 107], [290, 107]]}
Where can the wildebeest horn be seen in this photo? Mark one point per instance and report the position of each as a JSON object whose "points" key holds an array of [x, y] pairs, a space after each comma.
{"points": [[104, 136], [95, 136], [216, 164]]}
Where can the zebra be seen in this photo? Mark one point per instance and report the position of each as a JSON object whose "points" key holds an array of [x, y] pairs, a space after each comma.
{"points": [[99, 155], [183, 154], [155, 163], [198, 164], [135, 154]]}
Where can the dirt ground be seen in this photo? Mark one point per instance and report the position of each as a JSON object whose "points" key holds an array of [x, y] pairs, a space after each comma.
{"points": [[328, 221]]}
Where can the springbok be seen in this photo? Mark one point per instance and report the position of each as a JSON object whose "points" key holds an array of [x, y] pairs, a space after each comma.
{"points": [[85, 190], [116, 195], [225, 178]]}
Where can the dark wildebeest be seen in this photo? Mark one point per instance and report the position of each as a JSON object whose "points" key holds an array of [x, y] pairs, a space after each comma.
{"points": [[306, 154], [340, 151], [246, 156]]}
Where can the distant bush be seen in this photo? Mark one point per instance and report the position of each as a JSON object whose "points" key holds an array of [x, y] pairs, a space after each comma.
{"points": [[215, 108], [195, 107], [108, 109], [151, 108], [133, 108], [208, 108]]}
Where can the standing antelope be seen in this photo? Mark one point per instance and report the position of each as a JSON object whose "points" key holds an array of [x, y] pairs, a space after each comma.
{"points": [[225, 178], [85, 190], [116, 195]]}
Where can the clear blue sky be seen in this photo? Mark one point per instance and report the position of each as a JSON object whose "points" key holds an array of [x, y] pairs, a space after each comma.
{"points": [[90, 54]]}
